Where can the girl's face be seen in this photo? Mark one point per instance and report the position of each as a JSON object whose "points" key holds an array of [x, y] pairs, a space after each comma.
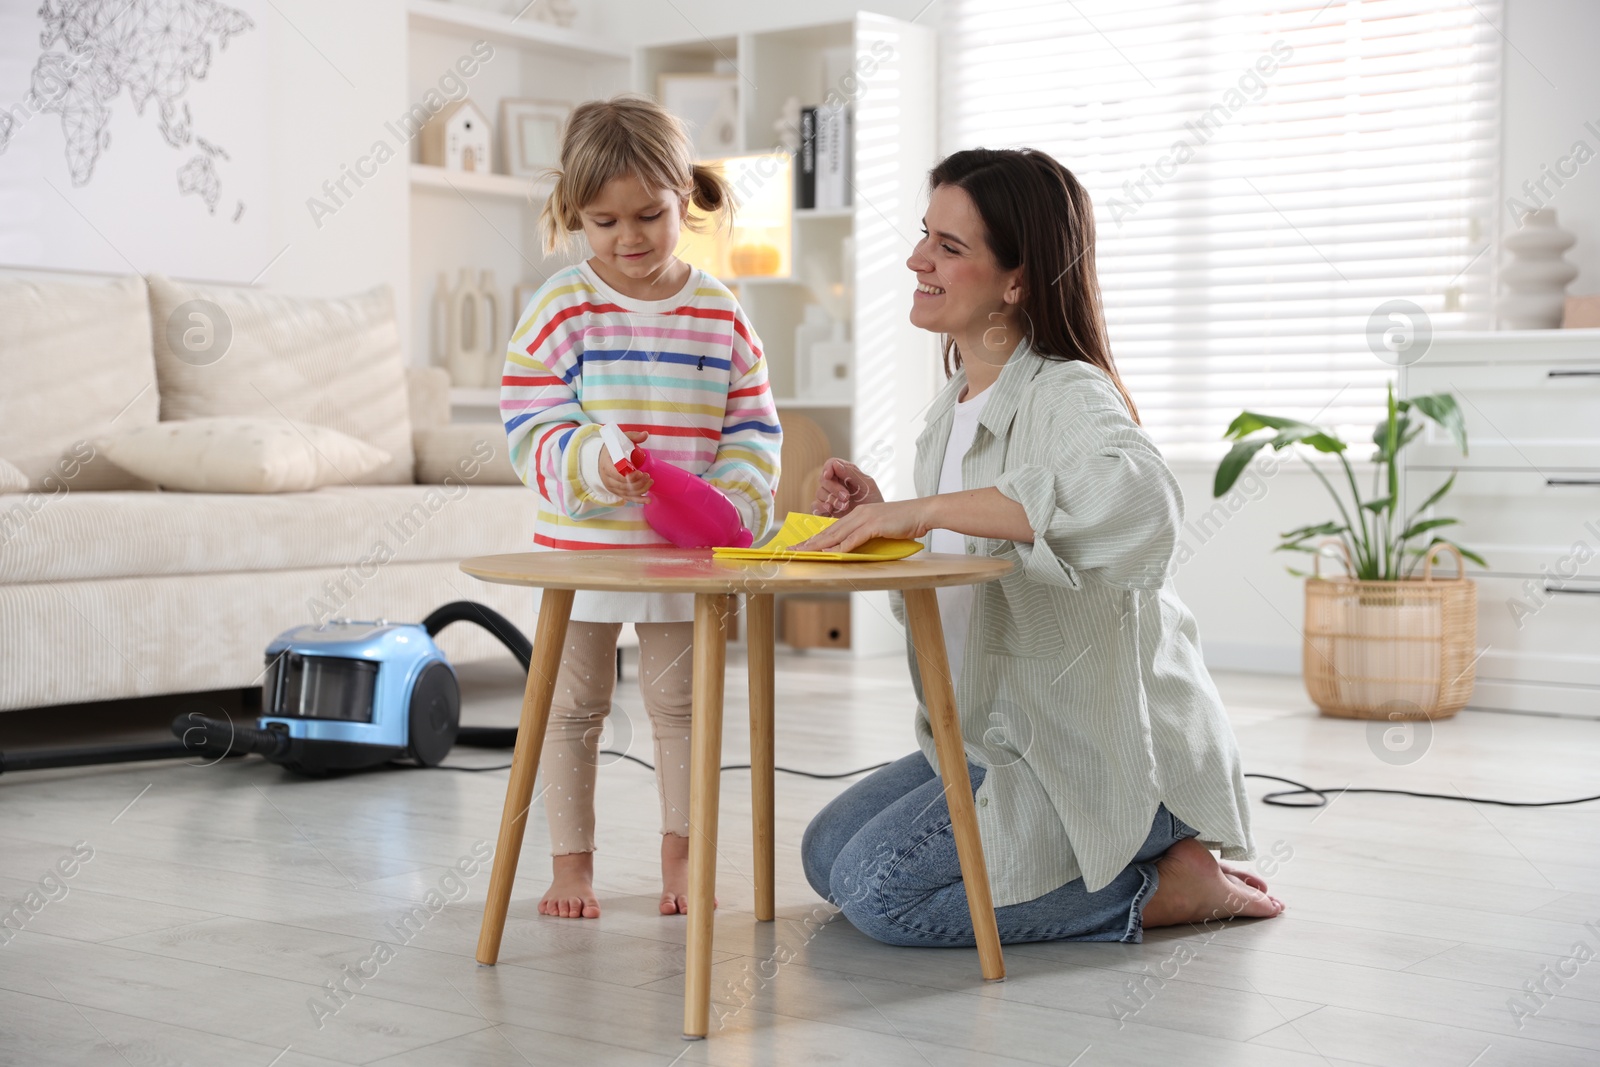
{"points": [[633, 229], [961, 289]]}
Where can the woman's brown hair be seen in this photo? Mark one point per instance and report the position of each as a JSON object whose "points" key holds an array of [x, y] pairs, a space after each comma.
{"points": [[627, 134], [1038, 217]]}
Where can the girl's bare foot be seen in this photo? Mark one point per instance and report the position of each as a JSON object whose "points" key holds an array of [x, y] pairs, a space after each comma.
{"points": [[571, 893], [675, 875], [1192, 887]]}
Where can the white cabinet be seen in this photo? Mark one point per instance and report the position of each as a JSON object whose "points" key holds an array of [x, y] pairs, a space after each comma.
{"points": [[1528, 497]]}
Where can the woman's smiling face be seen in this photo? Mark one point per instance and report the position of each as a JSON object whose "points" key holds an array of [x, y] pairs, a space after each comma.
{"points": [[960, 284]]}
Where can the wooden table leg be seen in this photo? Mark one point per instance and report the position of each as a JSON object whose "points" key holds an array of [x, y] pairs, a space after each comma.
{"points": [[555, 608], [927, 637], [760, 645], [705, 781]]}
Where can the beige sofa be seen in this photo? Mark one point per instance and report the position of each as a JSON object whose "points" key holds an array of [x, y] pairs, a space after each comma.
{"points": [[111, 587]]}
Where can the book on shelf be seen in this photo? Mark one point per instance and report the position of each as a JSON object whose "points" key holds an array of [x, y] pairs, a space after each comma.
{"points": [[805, 164], [834, 134]]}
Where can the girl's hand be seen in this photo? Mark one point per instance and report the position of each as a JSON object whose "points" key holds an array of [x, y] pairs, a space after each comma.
{"points": [[842, 488], [632, 488], [903, 518]]}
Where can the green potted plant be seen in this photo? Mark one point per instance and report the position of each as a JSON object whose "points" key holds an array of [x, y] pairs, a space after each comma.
{"points": [[1380, 642]]}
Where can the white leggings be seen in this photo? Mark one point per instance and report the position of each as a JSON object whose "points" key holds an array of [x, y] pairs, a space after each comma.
{"points": [[578, 710]]}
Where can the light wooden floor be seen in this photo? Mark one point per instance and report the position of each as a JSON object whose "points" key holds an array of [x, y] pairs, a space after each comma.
{"points": [[219, 900]]}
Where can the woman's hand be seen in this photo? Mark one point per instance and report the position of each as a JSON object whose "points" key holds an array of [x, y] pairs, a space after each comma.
{"points": [[632, 488], [903, 518], [843, 487]]}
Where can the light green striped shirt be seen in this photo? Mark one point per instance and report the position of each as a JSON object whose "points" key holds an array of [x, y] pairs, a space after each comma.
{"points": [[1082, 690]]}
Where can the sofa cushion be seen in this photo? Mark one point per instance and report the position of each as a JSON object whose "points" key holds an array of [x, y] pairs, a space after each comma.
{"points": [[222, 350], [429, 391], [12, 480], [474, 452], [121, 534], [75, 363], [232, 454]]}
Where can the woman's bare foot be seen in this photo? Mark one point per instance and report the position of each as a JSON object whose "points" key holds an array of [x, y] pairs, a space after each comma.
{"points": [[675, 875], [571, 893], [1192, 887]]}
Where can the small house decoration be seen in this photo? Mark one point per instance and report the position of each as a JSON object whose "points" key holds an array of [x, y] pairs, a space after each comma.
{"points": [[458, 138]]}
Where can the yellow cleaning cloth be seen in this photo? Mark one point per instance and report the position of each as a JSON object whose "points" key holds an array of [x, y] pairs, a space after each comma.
{"points": [[798, 526]]}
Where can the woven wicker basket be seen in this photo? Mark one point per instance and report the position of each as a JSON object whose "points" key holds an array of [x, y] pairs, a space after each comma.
{"points": [[1391, 650]]}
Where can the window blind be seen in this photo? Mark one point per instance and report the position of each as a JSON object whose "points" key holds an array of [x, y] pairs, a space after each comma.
{"points": [[1267, 178]]}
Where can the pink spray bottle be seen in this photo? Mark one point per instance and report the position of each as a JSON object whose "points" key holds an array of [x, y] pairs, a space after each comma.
{"points": [[688, 511]]}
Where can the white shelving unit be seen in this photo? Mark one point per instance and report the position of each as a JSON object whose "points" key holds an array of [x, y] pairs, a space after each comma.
{"points": [[424, 178], [526, 33], [489, 220], [897, 366]]}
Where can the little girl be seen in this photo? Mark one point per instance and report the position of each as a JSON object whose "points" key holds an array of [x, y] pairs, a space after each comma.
{"points": [[634, 336]]}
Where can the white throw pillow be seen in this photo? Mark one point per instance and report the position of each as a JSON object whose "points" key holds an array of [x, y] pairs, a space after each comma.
{"points": [[11, 479], [75, 364], [234, 350], [243, 455], [474, 453]]}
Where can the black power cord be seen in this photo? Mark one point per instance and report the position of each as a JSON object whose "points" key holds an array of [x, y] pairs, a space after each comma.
{"points": [[1322, 795], [725, 767], [1274, 799]]}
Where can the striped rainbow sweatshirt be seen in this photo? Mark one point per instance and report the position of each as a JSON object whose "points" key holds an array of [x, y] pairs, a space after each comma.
{"points": [[687, 368]]}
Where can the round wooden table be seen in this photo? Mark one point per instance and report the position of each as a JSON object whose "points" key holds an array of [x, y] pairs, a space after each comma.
{"points": [[713, 581]]}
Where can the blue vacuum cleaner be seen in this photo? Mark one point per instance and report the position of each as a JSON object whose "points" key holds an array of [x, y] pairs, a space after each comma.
{"points": [[344, 695]]}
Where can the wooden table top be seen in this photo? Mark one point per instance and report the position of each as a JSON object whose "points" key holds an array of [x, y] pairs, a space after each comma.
{"points": [[694, 570]]}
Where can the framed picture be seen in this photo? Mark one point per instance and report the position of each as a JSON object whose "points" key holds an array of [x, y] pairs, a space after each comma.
{"points": [[530, 134], [709, 105]]}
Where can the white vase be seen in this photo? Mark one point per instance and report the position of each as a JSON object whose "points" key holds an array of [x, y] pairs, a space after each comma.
{"points": [[464, 357], [439, 326], [494, 338], [1533, 282]]}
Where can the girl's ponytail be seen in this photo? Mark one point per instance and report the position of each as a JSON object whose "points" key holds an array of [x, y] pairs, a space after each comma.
{"points": [[559, 218], [711, 193]]}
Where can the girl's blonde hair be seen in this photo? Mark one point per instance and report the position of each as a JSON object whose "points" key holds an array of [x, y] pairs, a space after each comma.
{"points": [[627, 134]]}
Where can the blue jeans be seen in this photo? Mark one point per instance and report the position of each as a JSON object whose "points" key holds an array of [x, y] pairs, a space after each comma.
{"points": [[884, 853]]}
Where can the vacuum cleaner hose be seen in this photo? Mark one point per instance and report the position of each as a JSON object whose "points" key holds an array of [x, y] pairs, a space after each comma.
{"points": [[220, 737], [489, 619], [513, 638]]}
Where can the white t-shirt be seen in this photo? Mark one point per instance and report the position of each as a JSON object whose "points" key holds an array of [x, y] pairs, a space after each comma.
{"points": [[955, 602]]}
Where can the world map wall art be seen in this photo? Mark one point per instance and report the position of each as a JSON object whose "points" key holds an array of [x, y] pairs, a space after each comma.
{"points": [[135, 136]]}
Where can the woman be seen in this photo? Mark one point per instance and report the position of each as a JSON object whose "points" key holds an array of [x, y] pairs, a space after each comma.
{"points": [[1102, 762]]}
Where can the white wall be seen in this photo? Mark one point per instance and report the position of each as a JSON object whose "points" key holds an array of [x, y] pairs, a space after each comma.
{"points": [[338, 73], [1552, 89]]}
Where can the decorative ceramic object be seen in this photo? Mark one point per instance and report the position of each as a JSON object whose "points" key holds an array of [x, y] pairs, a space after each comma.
{"points": [[1534, 281], [458, 138], [560, 12], [787, 127], [825, 367], [439, 306], [465, 352], [494, 338]]}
